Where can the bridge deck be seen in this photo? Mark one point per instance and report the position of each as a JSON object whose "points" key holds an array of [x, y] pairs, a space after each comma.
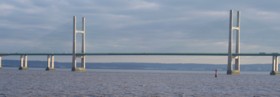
{"points": [[149, 54]]}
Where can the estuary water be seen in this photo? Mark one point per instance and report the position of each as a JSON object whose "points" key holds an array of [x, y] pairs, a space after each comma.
{"points": [[133, 83]]}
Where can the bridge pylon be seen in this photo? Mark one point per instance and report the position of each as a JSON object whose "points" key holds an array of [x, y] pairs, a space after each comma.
{"points": [[275, 62], [234, 28], [81, 55]]}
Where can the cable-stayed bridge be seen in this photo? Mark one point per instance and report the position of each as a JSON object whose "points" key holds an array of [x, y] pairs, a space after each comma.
{"points": [[233, 57]]}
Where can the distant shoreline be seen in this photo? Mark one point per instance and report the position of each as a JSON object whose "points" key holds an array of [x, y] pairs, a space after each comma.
{"points": [[143, 66]]}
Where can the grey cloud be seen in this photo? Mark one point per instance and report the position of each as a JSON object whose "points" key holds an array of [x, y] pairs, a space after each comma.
{"points": [[139, 25]]}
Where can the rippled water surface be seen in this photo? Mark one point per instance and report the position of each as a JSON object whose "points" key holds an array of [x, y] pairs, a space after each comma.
{"points": [[110, 83]]}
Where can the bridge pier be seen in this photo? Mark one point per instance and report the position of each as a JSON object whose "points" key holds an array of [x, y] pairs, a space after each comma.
{"points": [[275, 62], [50, 63], [23, 62], [82, 68], [233, 29]]}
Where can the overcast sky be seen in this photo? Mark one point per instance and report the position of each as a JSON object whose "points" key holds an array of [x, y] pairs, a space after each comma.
{"points": [[138, 25]]}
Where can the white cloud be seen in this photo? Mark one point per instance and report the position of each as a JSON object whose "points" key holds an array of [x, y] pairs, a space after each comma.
{"points": [[143, 5], [115, 21], [263, 16], [208, 14], [6, 9]]}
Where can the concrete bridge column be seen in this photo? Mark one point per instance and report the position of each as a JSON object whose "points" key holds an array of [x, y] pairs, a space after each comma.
{"points": [[275, 62], [50, 63], [23, 62], [83, 57], [83, 60], [0, 62]]}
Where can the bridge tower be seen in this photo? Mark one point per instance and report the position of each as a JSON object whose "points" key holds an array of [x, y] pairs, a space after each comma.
{"points": [[234, 28], [80, 55]]}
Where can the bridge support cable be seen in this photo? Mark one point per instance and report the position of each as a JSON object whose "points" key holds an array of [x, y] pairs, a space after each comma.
{"points": [[74, 56], [50, 63], [234, 29], [23, 62]]}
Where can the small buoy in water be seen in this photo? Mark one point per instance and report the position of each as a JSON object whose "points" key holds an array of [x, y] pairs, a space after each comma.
{"points": [[216, 73]]}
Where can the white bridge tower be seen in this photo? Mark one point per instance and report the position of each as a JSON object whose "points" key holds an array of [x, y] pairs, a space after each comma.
{"points": [[234, 29], [83, 50]]}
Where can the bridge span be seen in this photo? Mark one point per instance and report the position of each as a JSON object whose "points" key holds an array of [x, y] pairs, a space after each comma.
{"points": [[50, 57], [141, 54], [234, 30]]}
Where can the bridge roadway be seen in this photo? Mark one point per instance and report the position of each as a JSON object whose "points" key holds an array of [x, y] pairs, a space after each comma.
{"points": [[148, 54], [50, 58]]}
